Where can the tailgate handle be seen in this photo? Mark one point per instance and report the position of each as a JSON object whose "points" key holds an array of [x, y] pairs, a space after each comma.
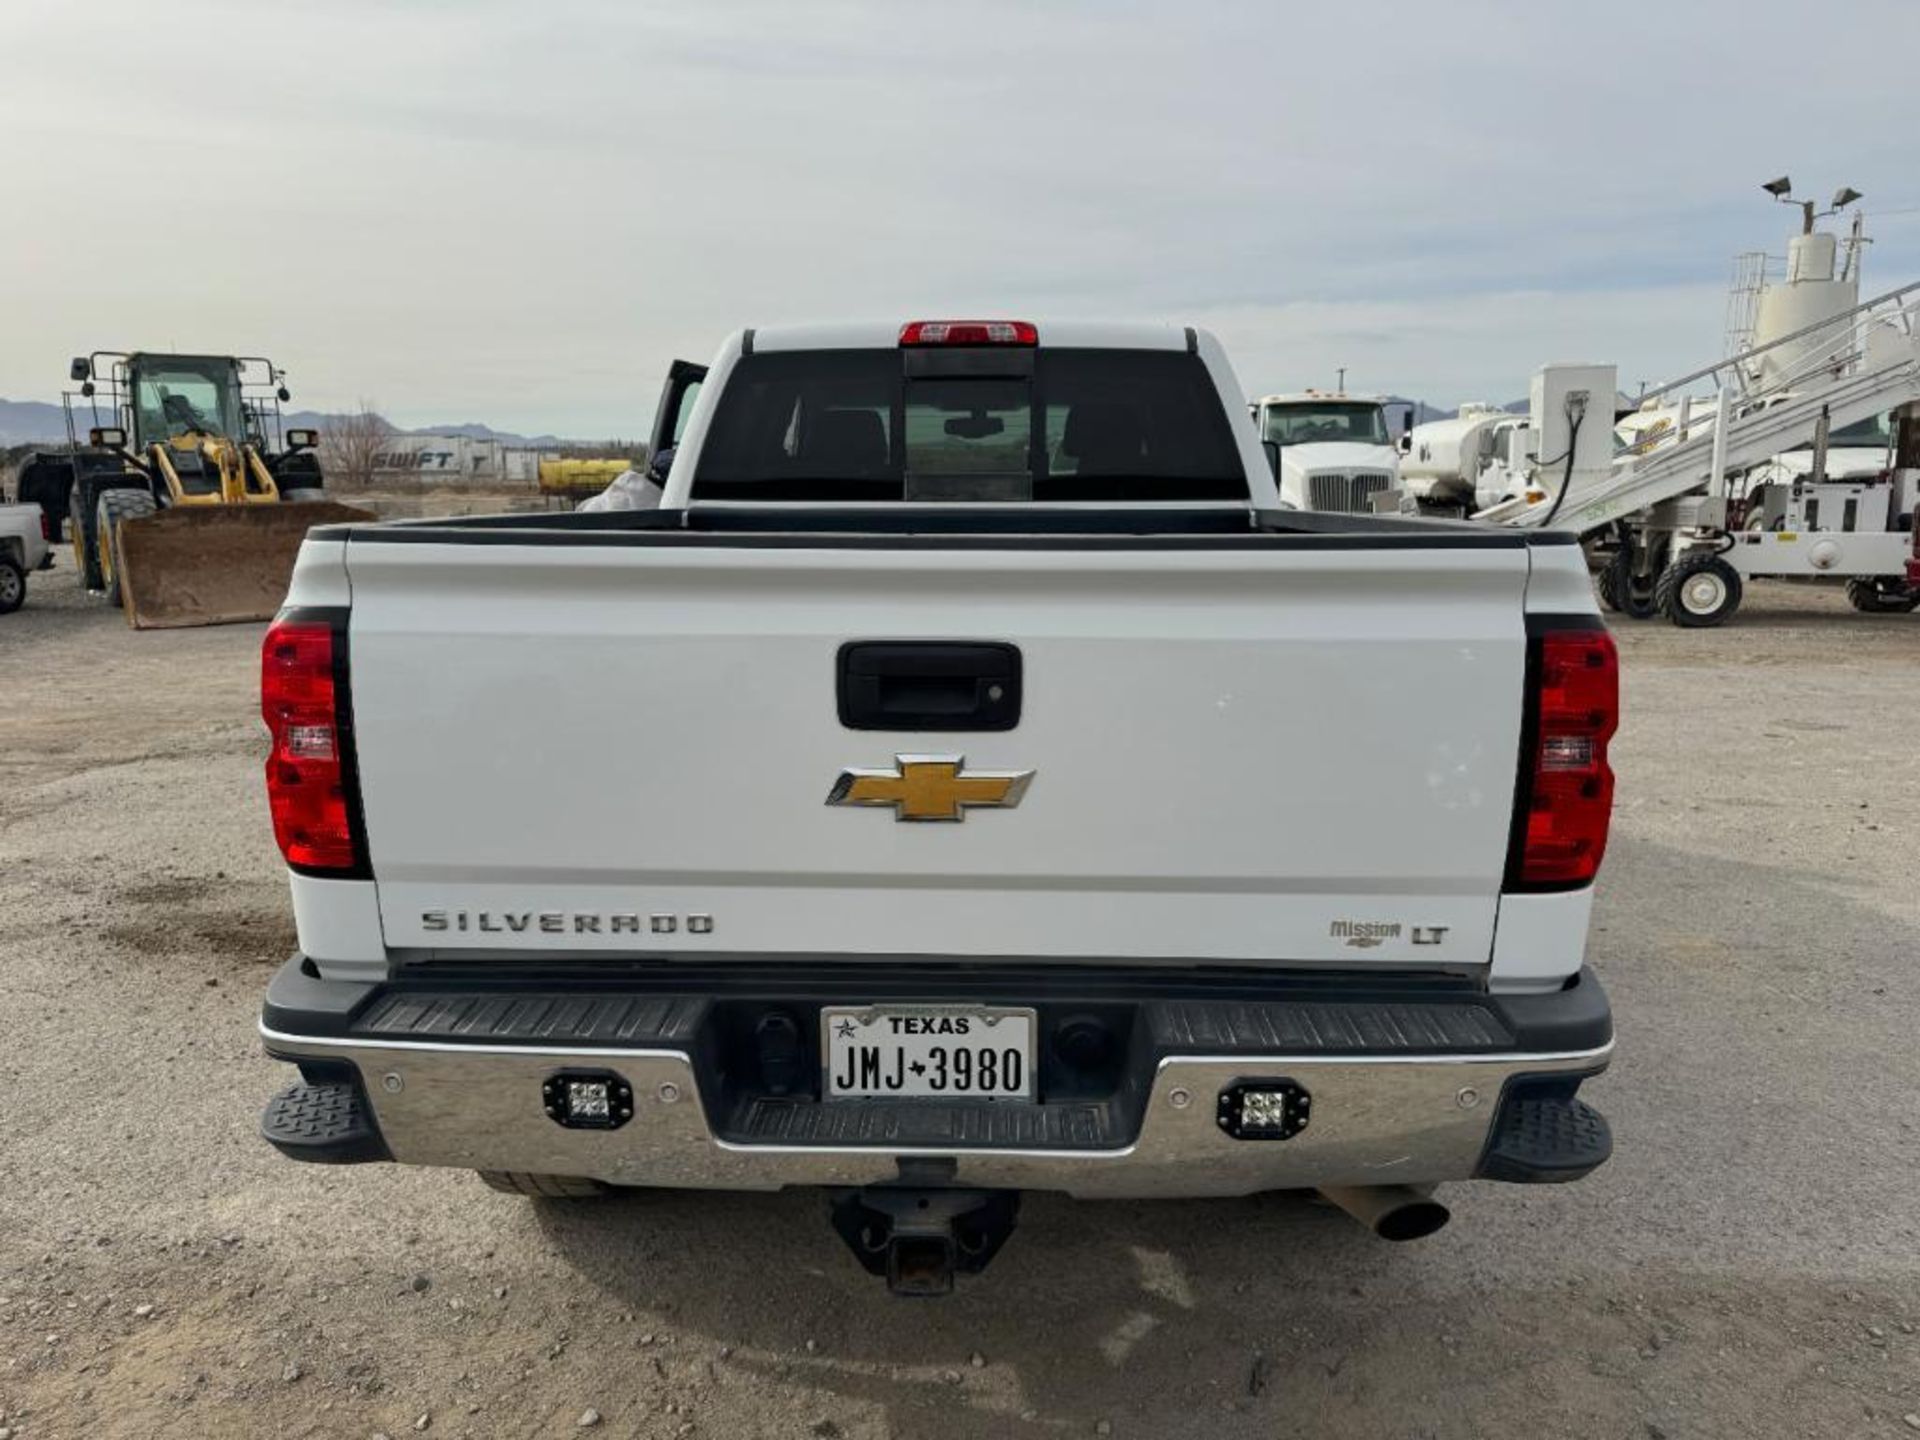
{"points": [[929, 685]]}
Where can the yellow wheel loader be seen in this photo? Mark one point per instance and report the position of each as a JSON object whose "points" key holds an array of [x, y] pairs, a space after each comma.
{"points": [[188, 500]]}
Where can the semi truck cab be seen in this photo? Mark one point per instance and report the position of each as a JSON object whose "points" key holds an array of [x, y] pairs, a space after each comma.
{"points": [[1335, 450]]}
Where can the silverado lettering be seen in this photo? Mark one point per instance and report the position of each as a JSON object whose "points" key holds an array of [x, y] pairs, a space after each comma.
{"points": [[562, 922]]}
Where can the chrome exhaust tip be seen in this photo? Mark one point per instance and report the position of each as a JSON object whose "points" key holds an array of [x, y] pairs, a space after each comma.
{"points": [[1393, 1212]]}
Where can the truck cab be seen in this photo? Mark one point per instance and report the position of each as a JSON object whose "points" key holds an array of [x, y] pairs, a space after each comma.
{"points": [[1335, 450]]}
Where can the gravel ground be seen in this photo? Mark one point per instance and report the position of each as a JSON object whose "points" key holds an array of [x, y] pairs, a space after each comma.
{"points": [[1749, 1264]]}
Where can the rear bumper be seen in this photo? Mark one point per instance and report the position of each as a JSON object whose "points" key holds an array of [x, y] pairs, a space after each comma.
{"points": [[1411, 1082]]}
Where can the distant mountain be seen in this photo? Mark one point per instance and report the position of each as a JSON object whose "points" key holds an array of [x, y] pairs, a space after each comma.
{"points": [[466, 430], [474, 430], [31, 422], [1422, 411], [35, 422]]}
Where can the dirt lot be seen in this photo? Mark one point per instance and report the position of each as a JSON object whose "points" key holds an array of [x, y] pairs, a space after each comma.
{"points": [[1749, 1264]]}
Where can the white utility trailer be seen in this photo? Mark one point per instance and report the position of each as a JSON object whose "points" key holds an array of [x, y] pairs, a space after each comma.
{"points": [[1700, 492]]}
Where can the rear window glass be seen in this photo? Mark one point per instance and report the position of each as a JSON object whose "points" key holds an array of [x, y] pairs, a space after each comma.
{"points": [[855, 425]]}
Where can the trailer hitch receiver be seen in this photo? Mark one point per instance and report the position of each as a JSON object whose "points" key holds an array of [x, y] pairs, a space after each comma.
{"points": [[918, 1239]]}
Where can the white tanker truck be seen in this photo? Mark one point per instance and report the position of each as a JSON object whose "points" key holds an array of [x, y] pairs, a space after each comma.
{"points": [[1465, 462]]}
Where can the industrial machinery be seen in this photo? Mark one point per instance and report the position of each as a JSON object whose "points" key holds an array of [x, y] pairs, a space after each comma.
{"points": [[1729, 473], [573, 478], [187, 501]]}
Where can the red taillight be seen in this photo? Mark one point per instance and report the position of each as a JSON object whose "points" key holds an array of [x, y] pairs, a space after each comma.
{"points": [[306, 769], [1567, 785], [968, 332], [46, 528]]}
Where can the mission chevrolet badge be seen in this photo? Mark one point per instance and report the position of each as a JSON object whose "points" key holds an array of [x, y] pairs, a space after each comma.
{"points": [[931, 787]]}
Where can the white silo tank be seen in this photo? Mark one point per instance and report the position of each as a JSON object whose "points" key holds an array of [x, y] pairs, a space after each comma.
{"points": [[1809, 293]]}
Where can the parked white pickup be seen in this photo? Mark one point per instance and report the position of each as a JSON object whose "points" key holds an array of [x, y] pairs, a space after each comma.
{"points": [[23, 547], [968, 780]]}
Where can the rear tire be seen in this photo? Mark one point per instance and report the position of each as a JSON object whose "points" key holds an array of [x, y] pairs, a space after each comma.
{"points": [[116, 507], [542, 1187], [1882, 597], [1698, 591], [1625, 593], [13, 585]]}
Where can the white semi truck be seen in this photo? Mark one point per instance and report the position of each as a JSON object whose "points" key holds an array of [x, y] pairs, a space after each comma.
{"points": [[1335, 452], [943, 852]]}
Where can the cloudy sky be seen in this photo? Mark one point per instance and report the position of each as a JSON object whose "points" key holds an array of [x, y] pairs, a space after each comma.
{"points": [[519, 212]]}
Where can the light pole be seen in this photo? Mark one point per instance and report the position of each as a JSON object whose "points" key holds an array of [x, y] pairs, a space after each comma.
{"points": [[1782, 190]]}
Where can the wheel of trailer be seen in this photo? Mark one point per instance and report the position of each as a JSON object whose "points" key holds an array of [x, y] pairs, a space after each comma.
{"points": [[1625, 593], [116, 507], [542, 1187], [1609, 583], [1698, 590], [80, 536], [13, 585], [1880, 596]]}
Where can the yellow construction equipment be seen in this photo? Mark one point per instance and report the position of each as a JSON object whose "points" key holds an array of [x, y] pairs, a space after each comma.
{"points": [[188, 499], [578, 479]]}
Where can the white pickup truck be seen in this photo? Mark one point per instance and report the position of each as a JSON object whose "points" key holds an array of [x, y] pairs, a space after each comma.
{"points": [[24, 545], [968, 781]]}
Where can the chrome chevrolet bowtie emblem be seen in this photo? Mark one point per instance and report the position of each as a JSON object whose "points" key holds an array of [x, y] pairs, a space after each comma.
{"points": [[930, 787]]}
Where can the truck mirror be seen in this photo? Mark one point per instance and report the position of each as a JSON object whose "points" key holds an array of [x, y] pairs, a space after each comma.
{"points": [[659, 465], [284, 394], [1272, 447], [80, 369]]}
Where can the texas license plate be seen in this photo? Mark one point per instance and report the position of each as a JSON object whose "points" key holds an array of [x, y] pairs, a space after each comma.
{"points": [[928, 1051]]}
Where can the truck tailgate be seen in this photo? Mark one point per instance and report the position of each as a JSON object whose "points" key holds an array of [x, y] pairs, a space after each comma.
{"points": [[1252, 753]]}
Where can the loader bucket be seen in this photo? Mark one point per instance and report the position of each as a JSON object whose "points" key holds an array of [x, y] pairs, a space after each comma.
{"points": [[213, 565]]}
